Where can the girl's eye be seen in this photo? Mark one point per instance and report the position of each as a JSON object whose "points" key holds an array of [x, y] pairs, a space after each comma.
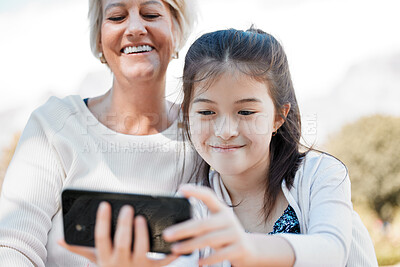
{"points": [[246, 112], [206, 112], [118, 18]]}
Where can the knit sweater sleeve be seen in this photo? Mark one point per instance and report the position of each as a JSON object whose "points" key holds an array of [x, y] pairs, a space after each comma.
{"points": [[30, 196], [327, 239]]}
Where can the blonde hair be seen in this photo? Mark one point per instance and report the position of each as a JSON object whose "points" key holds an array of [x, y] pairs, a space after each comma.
{"points": [[183, 15]]}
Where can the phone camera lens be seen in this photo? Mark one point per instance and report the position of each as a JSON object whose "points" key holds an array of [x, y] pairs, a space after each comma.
{"points": [[80, 228]]}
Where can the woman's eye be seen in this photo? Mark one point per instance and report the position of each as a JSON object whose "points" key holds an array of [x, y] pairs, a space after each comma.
{"points": [[117, 18], [245, 112], [206, 112], [151, 16]]}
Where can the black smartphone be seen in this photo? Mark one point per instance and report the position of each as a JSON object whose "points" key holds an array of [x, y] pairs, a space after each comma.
{"points": [[80, 207]]}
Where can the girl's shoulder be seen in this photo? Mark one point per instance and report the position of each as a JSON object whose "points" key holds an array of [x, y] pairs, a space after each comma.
{"points": [[319, 166]]}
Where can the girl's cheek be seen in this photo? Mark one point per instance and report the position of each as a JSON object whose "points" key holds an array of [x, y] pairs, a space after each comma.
{"points": [[201, 127], [200, 133], [261, 125]]}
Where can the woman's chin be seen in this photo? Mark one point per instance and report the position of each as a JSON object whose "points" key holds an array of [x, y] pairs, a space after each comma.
{"points": [[138, 74], [140, 70]]}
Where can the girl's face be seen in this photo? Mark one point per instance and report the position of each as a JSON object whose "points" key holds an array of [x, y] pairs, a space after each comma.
{"points": [[137, 38], [231, 124]]}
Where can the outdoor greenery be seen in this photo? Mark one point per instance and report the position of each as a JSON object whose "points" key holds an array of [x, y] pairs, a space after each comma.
{"points": [[370, 148]]}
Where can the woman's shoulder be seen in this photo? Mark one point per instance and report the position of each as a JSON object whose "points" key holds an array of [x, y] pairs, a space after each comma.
{"points": [[52, 115], [55, 106]]}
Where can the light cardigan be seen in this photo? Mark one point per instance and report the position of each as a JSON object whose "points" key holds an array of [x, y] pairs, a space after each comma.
{"points": [[64, 146], [332, 233]]}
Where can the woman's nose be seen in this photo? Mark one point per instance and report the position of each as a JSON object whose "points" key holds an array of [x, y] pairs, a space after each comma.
{"points": [[136, 25], [226, 127]]}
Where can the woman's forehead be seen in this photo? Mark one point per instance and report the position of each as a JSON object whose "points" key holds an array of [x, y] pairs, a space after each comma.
{"points": [[127, 2]]}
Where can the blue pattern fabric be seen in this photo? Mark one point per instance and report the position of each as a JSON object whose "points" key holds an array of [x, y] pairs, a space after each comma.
{"points": [[287, 223]]}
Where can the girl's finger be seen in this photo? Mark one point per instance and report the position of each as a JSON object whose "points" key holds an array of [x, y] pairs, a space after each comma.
{"points": [[193, 228], [214, 240], [205, 194], [102, 231], [226, 253], [123, 233], [88, 253], [141, 243]]}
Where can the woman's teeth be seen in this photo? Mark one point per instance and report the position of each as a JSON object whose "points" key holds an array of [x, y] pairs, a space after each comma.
{"points": [[137, 49]]}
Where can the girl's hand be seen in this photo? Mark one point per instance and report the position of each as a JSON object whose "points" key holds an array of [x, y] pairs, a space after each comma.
{"points": [[107, 254], [221, 231]]}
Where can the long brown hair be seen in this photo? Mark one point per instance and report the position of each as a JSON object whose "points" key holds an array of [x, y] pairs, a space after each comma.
{"points": [[259, 55]]}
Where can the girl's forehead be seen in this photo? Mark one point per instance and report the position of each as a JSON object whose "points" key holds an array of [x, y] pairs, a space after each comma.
{"points": [[232, 87], [229, 80]]}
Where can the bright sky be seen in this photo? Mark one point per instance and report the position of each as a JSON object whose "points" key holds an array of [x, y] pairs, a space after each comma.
{"points": [[44, 45]]}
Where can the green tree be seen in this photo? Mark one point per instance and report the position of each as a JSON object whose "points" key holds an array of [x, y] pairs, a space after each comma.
{"points": [[370, 148]]}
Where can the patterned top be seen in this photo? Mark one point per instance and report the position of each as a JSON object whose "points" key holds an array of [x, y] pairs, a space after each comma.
{"points": [[287, 223]]}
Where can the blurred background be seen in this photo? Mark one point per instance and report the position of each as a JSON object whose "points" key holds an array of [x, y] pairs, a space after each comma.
{"points": [[345, 63]]}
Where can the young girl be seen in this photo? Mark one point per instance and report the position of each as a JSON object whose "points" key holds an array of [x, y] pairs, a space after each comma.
{"points": [[271, 204]]}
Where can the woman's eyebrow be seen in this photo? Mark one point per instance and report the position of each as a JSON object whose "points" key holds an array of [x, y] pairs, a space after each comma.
{"points": [[245, 100], [151, 2], [111, 5], [119, 4]]}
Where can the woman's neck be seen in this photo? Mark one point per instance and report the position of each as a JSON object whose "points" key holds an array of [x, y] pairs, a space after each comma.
{"points": [[140, 109]]}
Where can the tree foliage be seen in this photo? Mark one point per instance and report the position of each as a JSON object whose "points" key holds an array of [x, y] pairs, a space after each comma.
{"points": [[370, 148]]}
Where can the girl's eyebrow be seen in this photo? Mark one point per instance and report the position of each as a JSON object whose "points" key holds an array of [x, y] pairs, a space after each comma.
{"points": [[245, 100], [204, 100]]}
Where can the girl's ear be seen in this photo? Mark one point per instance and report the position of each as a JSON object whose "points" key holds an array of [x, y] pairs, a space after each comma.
{"points": [[281, 120], [286, 109]]}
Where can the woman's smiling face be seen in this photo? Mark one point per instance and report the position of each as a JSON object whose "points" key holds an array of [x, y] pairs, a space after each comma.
{"points": [[231, 123], [137, 38]]}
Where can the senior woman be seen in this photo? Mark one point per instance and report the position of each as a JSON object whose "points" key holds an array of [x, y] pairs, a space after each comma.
{"points": [[126, 140]]}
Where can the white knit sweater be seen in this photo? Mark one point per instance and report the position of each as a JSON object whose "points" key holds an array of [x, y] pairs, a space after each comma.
{"points": [[64, 145]]}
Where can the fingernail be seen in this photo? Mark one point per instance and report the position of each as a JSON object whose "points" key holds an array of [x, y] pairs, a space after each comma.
{"points": [[168, 233], [103, 206], [125, 211]]}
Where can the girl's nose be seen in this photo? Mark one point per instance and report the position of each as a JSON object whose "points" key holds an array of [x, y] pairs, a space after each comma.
{"points": [[226, 127]]}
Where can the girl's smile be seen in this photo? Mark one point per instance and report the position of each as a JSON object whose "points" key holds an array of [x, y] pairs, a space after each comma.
{"points": [[226, 148]]}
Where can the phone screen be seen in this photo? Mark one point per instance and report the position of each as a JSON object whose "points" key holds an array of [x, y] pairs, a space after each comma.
{"points": [[80, 208]]}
